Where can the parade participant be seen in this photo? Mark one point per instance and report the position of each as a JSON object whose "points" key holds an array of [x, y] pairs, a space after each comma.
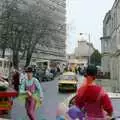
{"points": [[93, 98], [33, 89]]}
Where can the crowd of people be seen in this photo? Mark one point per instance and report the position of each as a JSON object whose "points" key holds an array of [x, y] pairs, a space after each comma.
{"points": [[81, 70]]}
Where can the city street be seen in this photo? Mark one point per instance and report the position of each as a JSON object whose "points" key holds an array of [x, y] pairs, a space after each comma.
{"points": [[51, 100]]}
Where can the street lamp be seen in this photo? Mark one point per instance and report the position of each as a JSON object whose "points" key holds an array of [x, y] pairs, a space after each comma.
{"points": [[89, 38]]}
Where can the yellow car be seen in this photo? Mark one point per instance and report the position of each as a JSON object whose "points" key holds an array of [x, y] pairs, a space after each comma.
{"points": [[68, 81]]}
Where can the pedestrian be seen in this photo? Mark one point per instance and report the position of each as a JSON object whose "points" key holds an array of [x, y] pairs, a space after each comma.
{"points": [[93, 98], [23, 75], [79, 70], [76, 70], [33, 89], [16, 80]]}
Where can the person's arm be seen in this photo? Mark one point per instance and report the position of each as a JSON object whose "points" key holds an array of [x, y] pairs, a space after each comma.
{"points": [[107, 105], [39, 88]]}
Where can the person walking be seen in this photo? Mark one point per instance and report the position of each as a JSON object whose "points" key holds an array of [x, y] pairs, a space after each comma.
{"points": [[79, 70], [33, 89], [16, 80], [92, 98]]}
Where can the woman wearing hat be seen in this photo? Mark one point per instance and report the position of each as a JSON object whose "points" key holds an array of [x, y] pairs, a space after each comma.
{"points": [[93, 98], [33, 89]]}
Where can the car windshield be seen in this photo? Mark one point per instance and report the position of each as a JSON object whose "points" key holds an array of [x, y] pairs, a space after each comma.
{"points": [[68, 77]]}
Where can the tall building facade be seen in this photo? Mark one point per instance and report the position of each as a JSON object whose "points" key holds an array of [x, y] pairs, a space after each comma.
{"points": [[111, 44], [56, 46]]}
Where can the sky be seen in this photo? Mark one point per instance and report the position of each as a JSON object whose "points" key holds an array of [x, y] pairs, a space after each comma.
{"points": [[86, 16]]}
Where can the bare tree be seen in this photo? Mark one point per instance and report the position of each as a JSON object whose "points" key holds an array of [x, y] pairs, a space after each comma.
{"points": [[37, 29], [22, 29]]}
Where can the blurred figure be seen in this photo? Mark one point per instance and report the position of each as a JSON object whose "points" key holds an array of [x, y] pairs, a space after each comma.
{"points": [[16, 80], [93, 98], [79, 70], [76, 70], [32, 88], [36, 74], [23, 75], [66, 69]]}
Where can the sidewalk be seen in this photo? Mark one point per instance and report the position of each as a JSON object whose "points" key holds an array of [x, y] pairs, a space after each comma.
{"points": [[106, 83]]}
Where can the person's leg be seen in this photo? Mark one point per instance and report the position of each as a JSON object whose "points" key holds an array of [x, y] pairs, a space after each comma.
{"points": [[31, 109]]}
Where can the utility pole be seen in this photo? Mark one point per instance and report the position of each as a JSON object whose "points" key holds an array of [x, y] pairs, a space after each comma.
{"points": [[89, 40], [89, 49]]}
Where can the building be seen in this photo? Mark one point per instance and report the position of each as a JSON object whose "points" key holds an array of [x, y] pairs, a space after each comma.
{"points": [[105, 43], [55, 49], [111, 44], [82, 53]]}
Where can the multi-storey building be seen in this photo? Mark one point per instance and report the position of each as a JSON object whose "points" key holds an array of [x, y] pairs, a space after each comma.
{"points": [[56, 45], [111, 44], [55, 42]]}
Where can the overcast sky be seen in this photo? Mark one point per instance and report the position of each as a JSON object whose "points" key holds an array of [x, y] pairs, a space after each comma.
{"points": [[86, 16]]}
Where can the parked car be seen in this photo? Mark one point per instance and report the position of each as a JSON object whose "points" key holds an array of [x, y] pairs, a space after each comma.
{"points": [[69, 102], [68, 81]]}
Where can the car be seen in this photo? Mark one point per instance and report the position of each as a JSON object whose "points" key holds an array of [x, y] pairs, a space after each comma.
{"points": [[68, 81], [69, 102]]}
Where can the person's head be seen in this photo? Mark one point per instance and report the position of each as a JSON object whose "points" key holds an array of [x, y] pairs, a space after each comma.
{"points": [[29, 72], [91, 72]]}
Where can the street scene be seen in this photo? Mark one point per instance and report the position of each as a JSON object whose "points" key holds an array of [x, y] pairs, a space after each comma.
{"points": [[59, 60]]}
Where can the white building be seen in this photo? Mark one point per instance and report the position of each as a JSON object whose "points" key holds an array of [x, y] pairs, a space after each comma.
{"points": [[81, 53], [111, 44]]}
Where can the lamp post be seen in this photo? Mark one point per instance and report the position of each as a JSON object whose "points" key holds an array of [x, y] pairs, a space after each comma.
{"points": [[89, 40]]}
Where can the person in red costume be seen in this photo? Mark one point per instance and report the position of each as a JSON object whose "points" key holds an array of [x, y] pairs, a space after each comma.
{"points": [[95, 101]]}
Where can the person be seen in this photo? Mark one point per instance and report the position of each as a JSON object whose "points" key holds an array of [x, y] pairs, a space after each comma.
{"points": [[31, 87], [16, 80], [79, 70], [76, 70], [36, 74], [93, 98], [23, 76]]}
